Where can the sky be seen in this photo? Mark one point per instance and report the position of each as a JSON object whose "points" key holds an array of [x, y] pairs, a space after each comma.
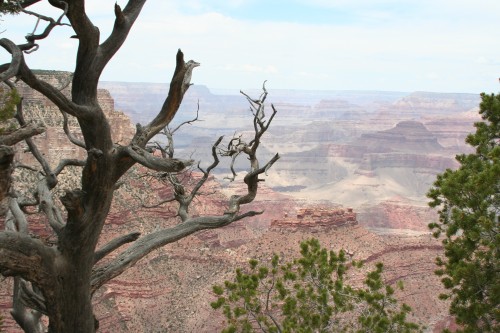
{"points": [[386, 45]]}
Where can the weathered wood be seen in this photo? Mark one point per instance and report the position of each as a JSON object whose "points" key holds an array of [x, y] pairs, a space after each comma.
{"points": [[67, 274], [6, 158]]}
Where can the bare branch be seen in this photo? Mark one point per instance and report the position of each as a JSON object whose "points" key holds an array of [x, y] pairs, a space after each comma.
{"points": [[169, 134], [157, 204], [70, 136], [50, 176], [206, 172], [264, 169], [27, 318], [148, 243], [123, 23], [47, 205], [53, 94], [6, 158], [187, 122], [19, 217], [31, 38], [141, 156], [115, 244], [247, 214], [234, 148], [27, 131], [252, 180], [64, 163], [178, 87], [181, 194], [237, 146], [189, 225], [120, 18], [32, 299], [25, 299], [26, 202], [231, 167], [17, 56]]}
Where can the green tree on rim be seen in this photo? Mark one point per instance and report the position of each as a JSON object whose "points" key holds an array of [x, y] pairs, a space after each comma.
{"points": [[469, 203], [310, 294]]}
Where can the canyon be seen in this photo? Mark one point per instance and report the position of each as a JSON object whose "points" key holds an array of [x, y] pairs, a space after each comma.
{"points": [[354, 172], [362, 149]]}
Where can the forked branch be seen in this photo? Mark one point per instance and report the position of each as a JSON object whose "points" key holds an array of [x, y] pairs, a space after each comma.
{"points": [[178, 86], [150, 161], [184, 197], [115, 244], [31, 38], [70, 136], [26, 131]]}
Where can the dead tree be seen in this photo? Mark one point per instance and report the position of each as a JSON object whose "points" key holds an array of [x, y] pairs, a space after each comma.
{"points": [[58, 280]]}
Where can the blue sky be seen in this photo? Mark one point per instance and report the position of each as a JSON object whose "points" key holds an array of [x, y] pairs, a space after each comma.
{"points": [[274, 11], [392, 45]]}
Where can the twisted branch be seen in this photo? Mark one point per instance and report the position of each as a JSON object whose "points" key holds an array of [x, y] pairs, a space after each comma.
{"points": [[31, 46], [189, 224], [115, 244]]}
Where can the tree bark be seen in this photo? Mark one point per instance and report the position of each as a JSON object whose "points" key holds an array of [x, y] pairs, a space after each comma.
{"points": [[6, 158], [68, 274]]}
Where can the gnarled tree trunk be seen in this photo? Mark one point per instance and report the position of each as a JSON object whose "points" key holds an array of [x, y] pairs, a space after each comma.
{"points": [[59, 281]]}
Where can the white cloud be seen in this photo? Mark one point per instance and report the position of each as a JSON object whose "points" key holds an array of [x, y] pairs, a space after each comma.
{"points": [[481, 60], [336, 57], [385, 52]]}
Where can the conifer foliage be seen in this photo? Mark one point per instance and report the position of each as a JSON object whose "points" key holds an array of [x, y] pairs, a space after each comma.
{"points": [[310, 294], [469, 204], [9, 7]]}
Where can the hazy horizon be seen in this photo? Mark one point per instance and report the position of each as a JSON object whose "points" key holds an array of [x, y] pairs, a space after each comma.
{"points": [[236, 90]]}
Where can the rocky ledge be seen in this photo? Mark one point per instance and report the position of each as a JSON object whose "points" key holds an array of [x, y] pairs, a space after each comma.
{"points": [[316, 219]]}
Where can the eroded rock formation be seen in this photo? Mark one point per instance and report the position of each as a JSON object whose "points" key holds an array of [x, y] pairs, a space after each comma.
{"points": [[54, 143], [316, 219], [170, 290]]}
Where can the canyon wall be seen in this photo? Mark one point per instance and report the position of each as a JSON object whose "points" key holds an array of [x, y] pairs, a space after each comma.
{"points": [[54, 143], [339, 150], [357, 149]]}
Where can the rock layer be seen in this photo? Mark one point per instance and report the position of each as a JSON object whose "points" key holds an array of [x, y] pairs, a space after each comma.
{"points": [[329, 162]]}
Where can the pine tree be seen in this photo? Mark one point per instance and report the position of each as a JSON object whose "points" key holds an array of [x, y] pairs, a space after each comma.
{"points": [[469, 204], [310, 294]]}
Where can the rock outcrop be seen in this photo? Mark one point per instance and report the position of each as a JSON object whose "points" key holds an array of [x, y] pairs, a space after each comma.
{"points": [[409, 136], [316, 219], [54, 143], [398, 214]]}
